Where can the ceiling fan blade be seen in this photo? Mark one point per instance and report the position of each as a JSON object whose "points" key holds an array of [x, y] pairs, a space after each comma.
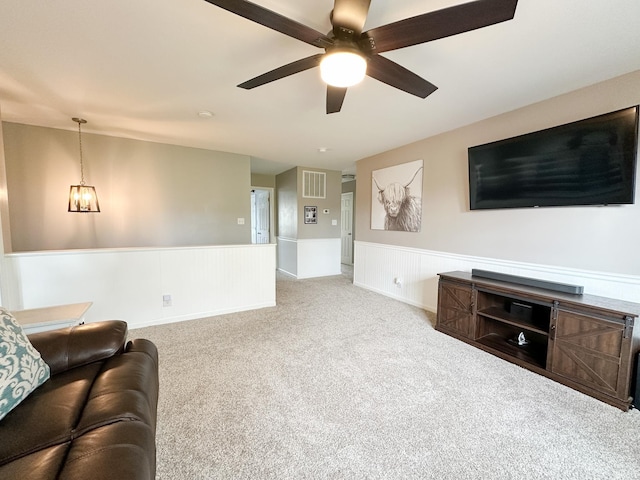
{"points": [[284, 71], [349, 15], [438, 24], [274, 21], [335, 97], [397, 76]]}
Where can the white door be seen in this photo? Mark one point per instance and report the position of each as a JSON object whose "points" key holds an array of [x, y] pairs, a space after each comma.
{"points": [[346, 230], [260, 216]]}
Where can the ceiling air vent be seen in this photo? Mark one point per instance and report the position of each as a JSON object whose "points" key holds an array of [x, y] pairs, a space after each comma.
{"points": [[314, 184]]}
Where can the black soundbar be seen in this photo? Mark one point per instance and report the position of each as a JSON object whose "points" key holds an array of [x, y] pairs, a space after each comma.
{"points": [[530, 282]]}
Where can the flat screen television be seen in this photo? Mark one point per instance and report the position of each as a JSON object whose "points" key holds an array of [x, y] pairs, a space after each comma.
{"points": [[588, 162]]}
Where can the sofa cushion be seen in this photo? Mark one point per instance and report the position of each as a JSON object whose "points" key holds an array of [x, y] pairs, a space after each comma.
{"points": [[49, 416], [124, 391], [22, 369], [125, 450], [40, 465]]}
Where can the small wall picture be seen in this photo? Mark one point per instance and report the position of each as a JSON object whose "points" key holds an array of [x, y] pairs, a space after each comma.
{"points": [[396, 197], [310, 214]]}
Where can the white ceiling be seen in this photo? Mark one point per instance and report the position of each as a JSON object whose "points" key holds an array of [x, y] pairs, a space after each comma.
{"points": [[143, 69]]}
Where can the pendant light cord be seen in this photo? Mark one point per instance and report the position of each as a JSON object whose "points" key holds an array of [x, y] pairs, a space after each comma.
{"points": [[80, 121], [80, 143]]}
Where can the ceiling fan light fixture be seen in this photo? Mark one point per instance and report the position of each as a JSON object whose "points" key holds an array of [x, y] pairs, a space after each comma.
{"points": [[343, 68]]}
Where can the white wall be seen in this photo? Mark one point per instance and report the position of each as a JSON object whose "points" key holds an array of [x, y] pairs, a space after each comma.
{"points": [[128, 284], [318, 257]]}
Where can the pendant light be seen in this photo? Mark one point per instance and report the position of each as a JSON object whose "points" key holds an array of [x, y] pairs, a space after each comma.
{"points": [[82, 198]]}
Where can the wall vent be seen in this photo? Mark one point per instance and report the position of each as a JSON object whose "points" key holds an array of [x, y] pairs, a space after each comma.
{"points": [[314, 184]]}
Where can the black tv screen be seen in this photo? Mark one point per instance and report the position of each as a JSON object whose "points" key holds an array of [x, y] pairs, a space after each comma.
{"points": [[589, 162]]}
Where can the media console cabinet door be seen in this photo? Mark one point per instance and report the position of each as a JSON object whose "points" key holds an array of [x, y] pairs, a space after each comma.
{"points": [[455, 309], [592, 352]]}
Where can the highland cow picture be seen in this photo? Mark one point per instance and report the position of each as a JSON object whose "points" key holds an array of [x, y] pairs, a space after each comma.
{"points": [[396, 197]]}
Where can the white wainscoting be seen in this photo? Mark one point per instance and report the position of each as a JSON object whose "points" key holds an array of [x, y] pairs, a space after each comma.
{"points": [[377, 266], [315, 257], [129, 284], [288, 255]]}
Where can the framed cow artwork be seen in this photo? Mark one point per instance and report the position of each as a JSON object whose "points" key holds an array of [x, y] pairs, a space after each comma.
{"points": [[396, 197]]}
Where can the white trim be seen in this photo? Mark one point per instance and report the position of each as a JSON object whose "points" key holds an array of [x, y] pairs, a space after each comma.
{"points": [[79, 251], [377, 265], [314, 257], [129, 284], [318, 257]]}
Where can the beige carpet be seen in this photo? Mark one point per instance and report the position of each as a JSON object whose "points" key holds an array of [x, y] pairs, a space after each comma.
{"points": [[337, 382]]}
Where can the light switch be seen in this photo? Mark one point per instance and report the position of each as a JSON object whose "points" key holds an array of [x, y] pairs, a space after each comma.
{"points": [[334, 222], [241, 221]]}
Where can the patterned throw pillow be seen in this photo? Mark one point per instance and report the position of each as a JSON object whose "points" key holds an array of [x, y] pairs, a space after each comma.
{"points": [[22, 369]]}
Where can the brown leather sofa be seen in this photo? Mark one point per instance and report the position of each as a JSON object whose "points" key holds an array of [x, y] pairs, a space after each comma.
{"points": [[95, 418]]}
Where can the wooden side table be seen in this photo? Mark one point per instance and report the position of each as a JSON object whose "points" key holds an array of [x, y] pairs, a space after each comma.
{"points": [[49, 318]]}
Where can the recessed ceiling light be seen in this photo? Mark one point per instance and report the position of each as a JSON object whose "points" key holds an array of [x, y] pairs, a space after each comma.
{"points": [[205, 114], [323, 150]]}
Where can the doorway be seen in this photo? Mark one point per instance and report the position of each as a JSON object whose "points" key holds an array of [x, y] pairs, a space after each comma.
{"points": [[346, 229], [261, 215]]}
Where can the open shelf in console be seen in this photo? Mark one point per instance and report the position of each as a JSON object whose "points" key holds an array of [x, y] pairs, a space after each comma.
{"points": [[515, 327], [531, 316], [503, 337]]}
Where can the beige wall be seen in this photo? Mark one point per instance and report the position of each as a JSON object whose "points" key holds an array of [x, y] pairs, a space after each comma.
{"points": [[324, 228], [287, 203], [261, 180], [308, 250], [349, 186], [291, 206], [150, 194], [590, 238], [5, 231]]}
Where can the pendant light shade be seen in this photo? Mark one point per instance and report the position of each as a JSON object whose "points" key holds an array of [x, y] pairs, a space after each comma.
{"points": [[82, 198]]}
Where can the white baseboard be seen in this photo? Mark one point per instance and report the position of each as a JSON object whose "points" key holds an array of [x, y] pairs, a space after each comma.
{"points": [[196, 316]]}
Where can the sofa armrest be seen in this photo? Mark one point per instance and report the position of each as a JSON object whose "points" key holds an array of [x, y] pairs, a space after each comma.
{"points": [[145, 346], [79, 345]]}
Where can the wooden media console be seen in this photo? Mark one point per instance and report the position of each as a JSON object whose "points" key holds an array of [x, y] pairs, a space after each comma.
{"points": [[583, 341]]}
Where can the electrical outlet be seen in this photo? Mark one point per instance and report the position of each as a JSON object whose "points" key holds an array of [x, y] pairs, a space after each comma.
{"points": [[166, 300]]}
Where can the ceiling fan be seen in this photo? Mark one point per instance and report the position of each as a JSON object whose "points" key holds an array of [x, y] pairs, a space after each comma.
{"points": [[346, 44]]}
